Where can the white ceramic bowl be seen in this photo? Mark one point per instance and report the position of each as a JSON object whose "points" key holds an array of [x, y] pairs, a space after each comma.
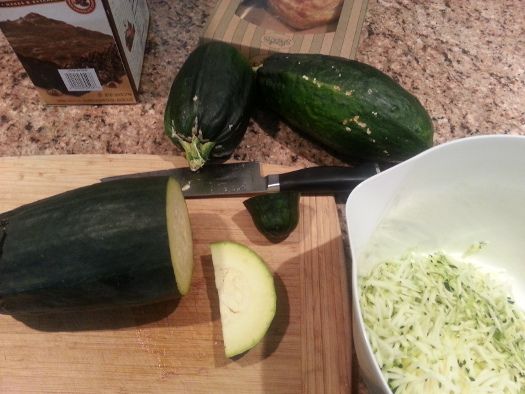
{"points": [[447, 198]]}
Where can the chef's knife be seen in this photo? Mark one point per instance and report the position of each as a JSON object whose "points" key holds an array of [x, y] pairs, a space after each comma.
{"points": [[244, 178]]}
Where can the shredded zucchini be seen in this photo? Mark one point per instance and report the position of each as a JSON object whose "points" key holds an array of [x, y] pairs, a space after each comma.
{"points": [[437, 325]]}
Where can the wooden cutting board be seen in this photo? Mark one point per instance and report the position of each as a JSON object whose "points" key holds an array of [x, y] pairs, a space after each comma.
{"points": [[177, 346]]}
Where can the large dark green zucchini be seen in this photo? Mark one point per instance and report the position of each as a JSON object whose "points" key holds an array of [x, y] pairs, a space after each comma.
{"points": [[350, 107], [208, 106], [126, 242]]}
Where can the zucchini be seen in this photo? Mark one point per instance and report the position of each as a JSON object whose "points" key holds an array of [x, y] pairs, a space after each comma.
{"points": [[275, 215], [247, 298], [209, 103], [351, 108], [125, 242]]}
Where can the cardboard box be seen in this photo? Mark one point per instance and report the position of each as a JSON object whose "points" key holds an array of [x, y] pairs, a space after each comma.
{"points": [[257, 30], [79, 51]]}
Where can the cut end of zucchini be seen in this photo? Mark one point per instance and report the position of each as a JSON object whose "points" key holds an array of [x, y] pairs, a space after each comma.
{"points": [[179, 234], [275, 215], [246, 295]]}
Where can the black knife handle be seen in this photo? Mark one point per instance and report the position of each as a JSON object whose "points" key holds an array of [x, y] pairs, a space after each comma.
{"points": [[323, 179]]}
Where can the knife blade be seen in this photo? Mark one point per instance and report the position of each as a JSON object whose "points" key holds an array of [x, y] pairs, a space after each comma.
{"points": [[244, 178]]}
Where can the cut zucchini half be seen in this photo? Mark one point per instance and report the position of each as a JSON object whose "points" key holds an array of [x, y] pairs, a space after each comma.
{"points": [[121, 243], [246, 295]]}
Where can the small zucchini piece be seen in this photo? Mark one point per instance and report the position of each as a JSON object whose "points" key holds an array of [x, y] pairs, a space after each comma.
{"points": [[275, 215], [209, 103], [121, 243], [247, 296]]}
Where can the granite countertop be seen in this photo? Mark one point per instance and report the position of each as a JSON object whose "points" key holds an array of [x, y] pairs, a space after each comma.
{"points": [[463, 60]]}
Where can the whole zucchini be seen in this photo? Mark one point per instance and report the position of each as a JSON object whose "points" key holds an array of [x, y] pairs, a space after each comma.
{"points": [[349, 107], [208, 107], [126, 242]]}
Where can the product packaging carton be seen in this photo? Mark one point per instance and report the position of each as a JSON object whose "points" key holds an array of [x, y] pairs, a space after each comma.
{"points": [[79, 51], [261, 27]]}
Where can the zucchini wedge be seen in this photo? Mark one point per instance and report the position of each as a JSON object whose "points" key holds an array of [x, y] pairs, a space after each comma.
{"points": [[246, 295]]}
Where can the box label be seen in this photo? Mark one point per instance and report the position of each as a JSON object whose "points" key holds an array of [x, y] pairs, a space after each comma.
{"points": [[80, 80]]}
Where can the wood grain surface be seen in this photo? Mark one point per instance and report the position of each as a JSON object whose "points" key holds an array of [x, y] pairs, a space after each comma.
{"points": [[177, 346]]}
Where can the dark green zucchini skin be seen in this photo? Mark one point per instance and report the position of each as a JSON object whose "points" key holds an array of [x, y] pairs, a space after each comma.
{"points": [[275, 215], [349, 107], [209, 103], [98, 246]]}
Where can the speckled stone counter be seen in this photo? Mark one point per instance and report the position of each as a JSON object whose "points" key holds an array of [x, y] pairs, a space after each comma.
{"points": [[464, 60]]}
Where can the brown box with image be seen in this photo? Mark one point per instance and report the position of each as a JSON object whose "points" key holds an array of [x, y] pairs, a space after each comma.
{"points": [[79, 51], [261, 27]]}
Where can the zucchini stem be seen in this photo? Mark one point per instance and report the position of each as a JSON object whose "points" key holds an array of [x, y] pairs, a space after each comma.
{"points": [[197, 151]]}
